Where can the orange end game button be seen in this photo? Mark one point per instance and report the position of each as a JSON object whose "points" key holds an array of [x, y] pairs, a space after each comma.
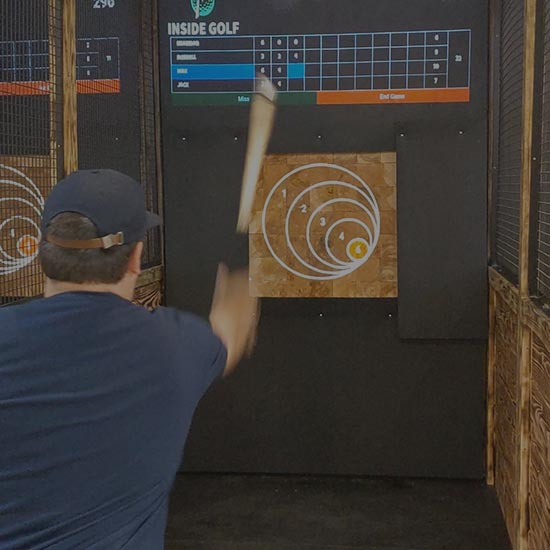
{"points": [[378, 97]]}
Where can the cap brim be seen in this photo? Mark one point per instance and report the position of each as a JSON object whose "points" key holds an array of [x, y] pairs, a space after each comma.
{"points": [[152, 220]]}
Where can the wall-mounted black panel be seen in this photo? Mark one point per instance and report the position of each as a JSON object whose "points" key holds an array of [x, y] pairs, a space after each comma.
{"points": [[333, 390], [441, 225], [338, 393]]}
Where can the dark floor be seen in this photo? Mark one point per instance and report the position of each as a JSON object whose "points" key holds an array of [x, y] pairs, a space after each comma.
{"points": [[281, 513]]}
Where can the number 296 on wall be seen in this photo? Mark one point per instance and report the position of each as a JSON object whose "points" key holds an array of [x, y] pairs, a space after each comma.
{"points": [[99, 4]]}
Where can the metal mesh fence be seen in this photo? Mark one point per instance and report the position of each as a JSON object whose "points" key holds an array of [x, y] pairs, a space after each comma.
{"points": [[30, 136], [508, 137], [149, 112], [542, 190], [116, 100]]}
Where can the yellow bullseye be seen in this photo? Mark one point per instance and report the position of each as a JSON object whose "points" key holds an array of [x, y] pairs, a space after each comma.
{"points": [[27, 246], [357, 249]]}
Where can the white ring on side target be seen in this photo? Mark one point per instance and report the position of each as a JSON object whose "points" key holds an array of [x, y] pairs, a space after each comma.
{"points": [[359, 247], [32, 199]]}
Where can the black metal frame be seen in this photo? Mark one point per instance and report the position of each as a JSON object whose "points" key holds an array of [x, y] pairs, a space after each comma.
{"points": [[496, 48]]}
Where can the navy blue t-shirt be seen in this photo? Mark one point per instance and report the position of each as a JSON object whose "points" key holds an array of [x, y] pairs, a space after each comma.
{"points": [[96, 399]]}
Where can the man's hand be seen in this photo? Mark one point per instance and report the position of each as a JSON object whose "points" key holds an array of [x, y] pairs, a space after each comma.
{"points": [[234, 315]]}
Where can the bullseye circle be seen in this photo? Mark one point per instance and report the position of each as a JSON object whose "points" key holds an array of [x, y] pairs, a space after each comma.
{"points": [[357, 249], [27, 246]]}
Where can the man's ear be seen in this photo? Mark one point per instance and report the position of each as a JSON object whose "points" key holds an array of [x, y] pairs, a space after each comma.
{"points": [[134, 263]]}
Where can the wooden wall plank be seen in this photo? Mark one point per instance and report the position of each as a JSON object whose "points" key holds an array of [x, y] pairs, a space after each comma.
{"points": [[70, 145], [148, 276], [54, 48], [505, 289], [539, 463], [524, 334], [506, 455], [491, 372]]}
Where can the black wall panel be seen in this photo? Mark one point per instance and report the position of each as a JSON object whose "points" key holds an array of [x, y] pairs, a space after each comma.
{"points": [[334, 387], [441, 227]]}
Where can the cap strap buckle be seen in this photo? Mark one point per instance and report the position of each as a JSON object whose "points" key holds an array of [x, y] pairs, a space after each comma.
{"points": [[112, 240]]}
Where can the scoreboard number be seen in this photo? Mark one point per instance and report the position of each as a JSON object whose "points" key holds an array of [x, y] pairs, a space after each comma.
{"points": [[100, 4]]}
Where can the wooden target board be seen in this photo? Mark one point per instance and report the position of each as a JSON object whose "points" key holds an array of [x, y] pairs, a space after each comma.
{"points": [[325, 226], [24, 184]]}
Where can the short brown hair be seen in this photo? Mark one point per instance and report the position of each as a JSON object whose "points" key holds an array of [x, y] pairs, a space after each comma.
{"points": [[81, 266]]}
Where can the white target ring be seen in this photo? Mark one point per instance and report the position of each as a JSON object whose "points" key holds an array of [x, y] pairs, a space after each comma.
{"points": [[322, 263], [19, 231]]}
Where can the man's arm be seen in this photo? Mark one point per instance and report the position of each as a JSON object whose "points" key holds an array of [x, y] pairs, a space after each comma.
{"points": [[234, 315]]}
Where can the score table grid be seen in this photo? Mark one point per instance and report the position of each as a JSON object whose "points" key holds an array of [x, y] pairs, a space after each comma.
{"points": [[390, 67], [24, 66]]}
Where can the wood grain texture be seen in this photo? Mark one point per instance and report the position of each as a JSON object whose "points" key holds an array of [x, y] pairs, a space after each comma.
{"points": [[25, 182], [506, 436], [149, 296], [151, 275], [524, 404], [530, 15], [491, 375], [539, 459], [537, 319], [55, 46], [524, 338], [70, 144], [506, 290], [319, 200]]}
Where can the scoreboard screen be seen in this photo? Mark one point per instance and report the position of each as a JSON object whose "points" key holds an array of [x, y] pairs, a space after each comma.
{"points": [[25, 66], [431, 66]]}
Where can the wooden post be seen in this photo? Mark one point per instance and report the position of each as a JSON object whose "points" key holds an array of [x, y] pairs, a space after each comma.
{"points": [[524, 339], [54, 47], [491, 376], [70, 145]]}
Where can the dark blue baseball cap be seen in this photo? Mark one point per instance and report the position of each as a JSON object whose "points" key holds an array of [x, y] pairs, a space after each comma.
{"points": [[114, 202]]}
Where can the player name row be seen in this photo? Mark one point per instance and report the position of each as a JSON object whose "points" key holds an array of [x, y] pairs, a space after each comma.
{"points": [[419, 39], [314, 84], [301, 70], [311, 56]]}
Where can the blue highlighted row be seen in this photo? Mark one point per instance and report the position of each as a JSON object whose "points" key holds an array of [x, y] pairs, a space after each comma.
{"points": [[228, 71], [296, 70]]}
